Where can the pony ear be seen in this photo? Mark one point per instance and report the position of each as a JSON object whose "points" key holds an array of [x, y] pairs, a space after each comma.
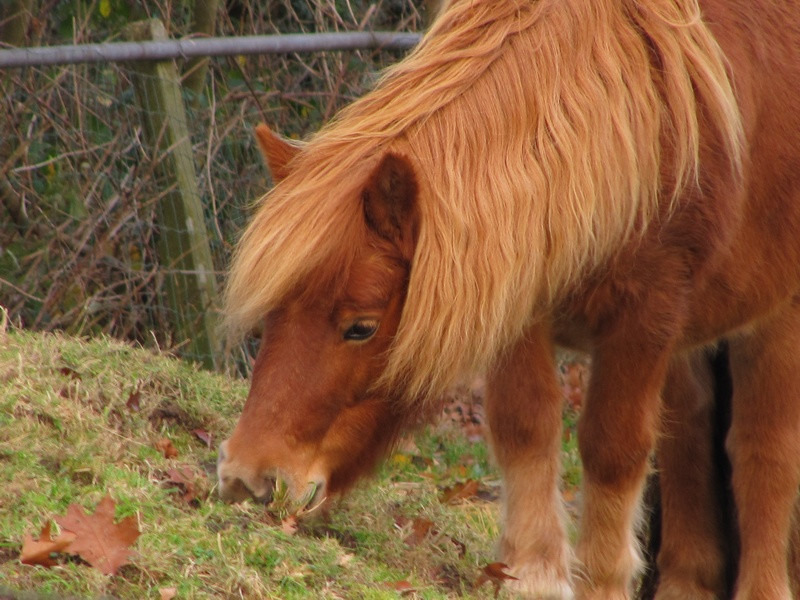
{"points": [[278, 152], [390, 203]]}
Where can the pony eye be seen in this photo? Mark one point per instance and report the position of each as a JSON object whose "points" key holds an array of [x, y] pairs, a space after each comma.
{"points": [[360, 331]]}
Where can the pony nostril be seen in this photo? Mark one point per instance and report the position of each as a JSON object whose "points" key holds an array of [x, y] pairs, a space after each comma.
{"points": [[233, 490], [266, 493]]}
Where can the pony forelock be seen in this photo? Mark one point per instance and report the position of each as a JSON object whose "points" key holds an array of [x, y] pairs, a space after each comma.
{"points": [[544, 135]]}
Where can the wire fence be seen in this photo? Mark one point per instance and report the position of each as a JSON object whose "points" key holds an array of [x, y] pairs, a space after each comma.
{"points": [[85, 177], [202, 47]]}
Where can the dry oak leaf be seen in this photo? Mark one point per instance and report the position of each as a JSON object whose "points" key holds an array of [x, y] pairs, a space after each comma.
{"points": [[98, 540], [420, 529], [187, 483], [134, 403], [460, 491], [494, 572], [404, 588], [166, 448], [37, 552]]}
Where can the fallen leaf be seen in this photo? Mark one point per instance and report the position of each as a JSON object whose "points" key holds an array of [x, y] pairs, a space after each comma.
{"points": [[168, 593], [459, 492], [37, 552], [133, 403], [404, 587], [204, 437], [462, 547], [494, 572], [98, 540], [186, 482], [289, 525], [420, 528], [166, 448]]}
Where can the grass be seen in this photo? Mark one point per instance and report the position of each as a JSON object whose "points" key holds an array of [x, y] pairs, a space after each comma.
{"points": [[80, 419]]}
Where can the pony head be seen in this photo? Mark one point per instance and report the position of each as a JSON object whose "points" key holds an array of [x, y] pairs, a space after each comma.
{"points": [[314, 418]]}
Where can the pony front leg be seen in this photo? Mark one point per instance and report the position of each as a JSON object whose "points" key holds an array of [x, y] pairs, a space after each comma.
{"points": [[524, 414], [616, 435]]}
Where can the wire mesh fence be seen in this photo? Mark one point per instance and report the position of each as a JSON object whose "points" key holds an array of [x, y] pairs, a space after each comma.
{"points": [[85, 175]]}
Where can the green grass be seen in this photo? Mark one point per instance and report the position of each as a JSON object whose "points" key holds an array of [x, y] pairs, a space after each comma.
{"points": [[70, 433]]}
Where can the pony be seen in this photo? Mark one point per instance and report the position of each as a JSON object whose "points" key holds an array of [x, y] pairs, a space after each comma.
{"points": [[617, 176]]}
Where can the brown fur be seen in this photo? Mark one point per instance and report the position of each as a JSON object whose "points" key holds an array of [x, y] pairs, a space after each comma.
{"points": [[567, 171]]}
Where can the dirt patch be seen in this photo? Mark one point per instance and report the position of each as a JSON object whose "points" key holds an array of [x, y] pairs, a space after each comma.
{"points": [[8, 553]]}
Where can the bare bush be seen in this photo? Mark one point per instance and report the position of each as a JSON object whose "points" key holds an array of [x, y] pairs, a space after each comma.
{"points": [[78, 231]]}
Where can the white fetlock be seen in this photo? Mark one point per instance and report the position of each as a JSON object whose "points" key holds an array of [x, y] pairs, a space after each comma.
{"points": [[537, 582]]}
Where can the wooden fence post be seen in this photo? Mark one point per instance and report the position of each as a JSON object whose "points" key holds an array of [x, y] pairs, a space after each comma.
{"points": [[183, 242]]}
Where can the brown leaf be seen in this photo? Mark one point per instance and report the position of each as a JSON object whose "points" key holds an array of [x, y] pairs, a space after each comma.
{"points": [[186, 481], [462, 547], [133, 403], [166, 448], [404, 587], [494, 572], [204, 437], [98, 540], [420, 528], [459, 492], [289, 525], [37, 552]]}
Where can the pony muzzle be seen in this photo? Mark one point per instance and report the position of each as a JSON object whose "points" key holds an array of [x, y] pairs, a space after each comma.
{"points": [[237, 484]]}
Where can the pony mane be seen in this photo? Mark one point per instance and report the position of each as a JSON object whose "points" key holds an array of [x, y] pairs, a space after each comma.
{"points": [[538, 131]]}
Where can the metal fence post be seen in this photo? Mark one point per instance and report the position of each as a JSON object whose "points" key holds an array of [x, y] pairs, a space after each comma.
{"points": [[183, 241]]}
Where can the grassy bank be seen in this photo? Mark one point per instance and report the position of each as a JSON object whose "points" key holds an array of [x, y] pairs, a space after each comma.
{"points": [[81, 419]]}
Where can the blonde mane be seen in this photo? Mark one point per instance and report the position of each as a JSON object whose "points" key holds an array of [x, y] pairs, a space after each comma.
{"points": [[536, 129]]}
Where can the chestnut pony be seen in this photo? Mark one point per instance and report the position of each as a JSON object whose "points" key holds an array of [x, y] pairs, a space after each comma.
{"points": [[620, 176]]}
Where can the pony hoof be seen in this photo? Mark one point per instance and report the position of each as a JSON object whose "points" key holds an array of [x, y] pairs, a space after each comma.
{"points": [[539, 583]]}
